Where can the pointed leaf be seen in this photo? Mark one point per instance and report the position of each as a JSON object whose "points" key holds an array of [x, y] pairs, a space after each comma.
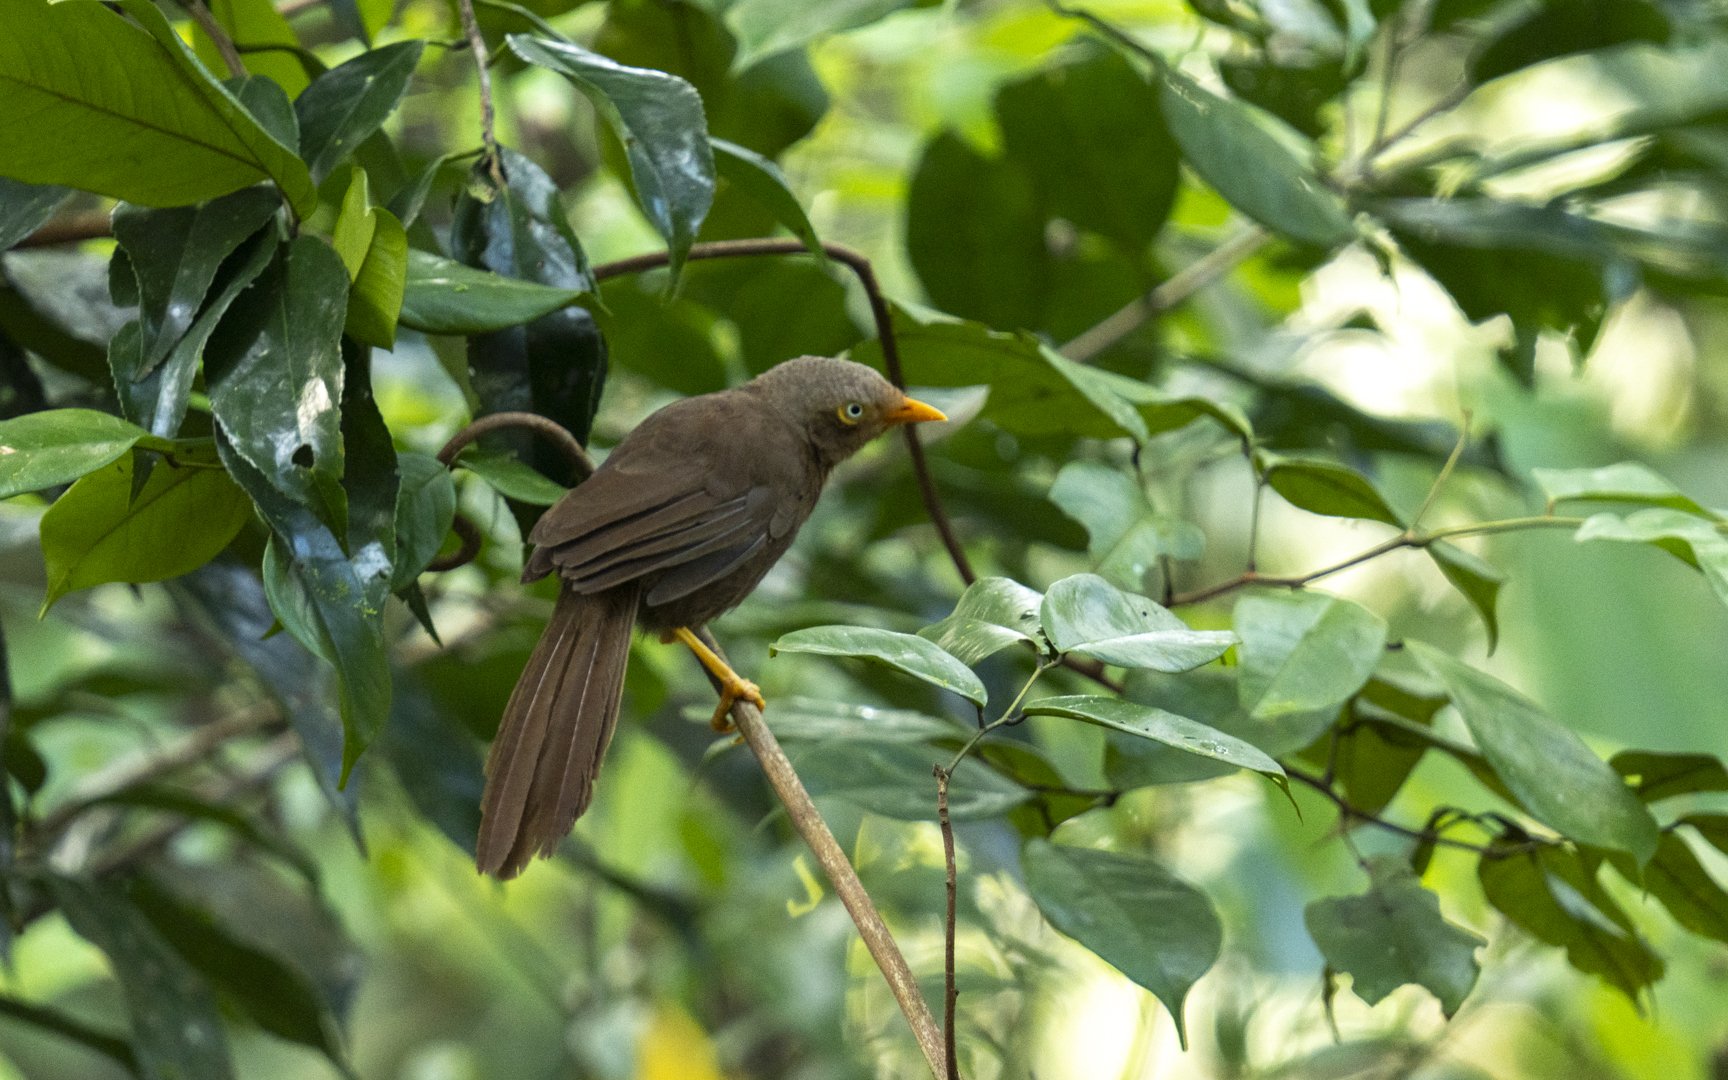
{"points": [[1321, 487], [1149, 924], [57, 446], [762, 180], [903, 652], [1189, 736], [1475, 578], [441, 296], [1087, 614], [425, 507], [1304, 652], [1656, 776], [355, 222], [894, 779], [993, 613], [349, 102], [1626, 482]]}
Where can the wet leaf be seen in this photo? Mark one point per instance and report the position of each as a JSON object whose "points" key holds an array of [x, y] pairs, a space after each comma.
{"points": [[914, 656], [1087, 614]]}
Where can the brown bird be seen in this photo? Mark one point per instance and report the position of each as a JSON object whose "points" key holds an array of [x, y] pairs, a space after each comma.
{"points": [[678, 525]]}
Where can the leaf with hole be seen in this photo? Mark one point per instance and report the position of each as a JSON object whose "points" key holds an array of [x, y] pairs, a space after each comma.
{"points": [[1087, 614]]}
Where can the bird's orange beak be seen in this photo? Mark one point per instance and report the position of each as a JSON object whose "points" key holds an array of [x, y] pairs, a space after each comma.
{"points": [[912, 411]]}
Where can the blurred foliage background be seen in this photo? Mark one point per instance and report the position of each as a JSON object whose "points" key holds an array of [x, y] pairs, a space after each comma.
{"points": [[682, 932]]}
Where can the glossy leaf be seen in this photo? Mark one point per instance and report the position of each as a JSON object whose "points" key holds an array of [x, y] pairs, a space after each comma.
{"points": [[372, 481], [761, 179], [176, 1029], [1626, 482], [24, 208], [1321, 487], [425, 507], [441, 296], [765, 28], [1656, 776], [1138, 917], [350, 101], [1087, 614], [894, 779], [1686, 889], [1189, 736], [93, 101], [374, 247], [1394, 934], [99, 532], [658, 117], [1475, 578], [1697, 542], [914, 656], [1231, 145], [1553, 773], [1304, 652], [798, 718], [1125, 535], [511, 478], [46, 449], [993, 613]]}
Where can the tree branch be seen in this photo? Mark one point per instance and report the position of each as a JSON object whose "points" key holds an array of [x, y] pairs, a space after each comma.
{"points": [[1349, 812], [540, 425], [950, 991], [482, 60], [218, 36]]}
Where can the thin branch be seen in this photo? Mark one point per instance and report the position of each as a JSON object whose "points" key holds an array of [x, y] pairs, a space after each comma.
{"points": [[1180, 286], [290, 9], [218, 36], [482, 60], [1445, 471], [860, 266], [950, 991], [1350, 813], [540, 425], [808, 821], [71, 229]]}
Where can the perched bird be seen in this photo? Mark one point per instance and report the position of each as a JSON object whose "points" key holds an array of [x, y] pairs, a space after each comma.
{"points": [[678, 525]]}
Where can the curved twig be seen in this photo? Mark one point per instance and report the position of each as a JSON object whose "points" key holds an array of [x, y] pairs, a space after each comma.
{"points": [[462, 556], [540, 425]]}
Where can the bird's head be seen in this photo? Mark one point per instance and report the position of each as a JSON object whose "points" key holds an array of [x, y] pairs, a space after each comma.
{"points": [[840, 404]]}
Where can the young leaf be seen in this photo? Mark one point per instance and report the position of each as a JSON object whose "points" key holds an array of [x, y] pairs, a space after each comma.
{"points": [[1555, 776], [1699, 543], [355, 223], [1125, 535], [1626, 482], [99, 532], [1304, 652], [903, 652], [350, 101], [762, 180], [511, 478], [46, 449], [1686, 889], [894, 779], [1475, 578], [441, 296], [1321, 487], [658, 117], [1394, 934], [993, 613], [1656, 776], [1189, 736], [1149, 924], [1087, 614], [425, 507]]}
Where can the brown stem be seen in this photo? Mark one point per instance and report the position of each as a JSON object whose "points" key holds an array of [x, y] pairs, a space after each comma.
{"points": [[950, 991], [71, 229], [829, 855], [540, 425], [1430, 836], [482, 60], [860, 266], [224, 44], [462, 556]]}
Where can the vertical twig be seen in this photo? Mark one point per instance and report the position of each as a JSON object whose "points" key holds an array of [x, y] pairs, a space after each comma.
{"points": [[950, 991], [218, 36], [471, 28]]}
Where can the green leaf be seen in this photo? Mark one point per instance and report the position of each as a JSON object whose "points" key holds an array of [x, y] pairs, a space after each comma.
{"points": [[800, 718], [98, 532], [1304, 652], [1712, 827], [658, 117], [761, 179], [993, 613], [1322, 487], [1700, 544], [425, 507], [766, 28], [24, 208], [1552, 894], [1149, 924], [1686, 889], [90, 100], [1087, 614], [1232, 145], [1189, 736], [57, 446], [1556, 777], [1394, 934], [255, 22], [374, 247], [914, 656], [1626, 482], [156, 797], [511, 478], [350, 101], [1656, 776], [894, 779], [176, 1029], [1371, 763], [1559, 27], [355, 223], [442, 296], [1475, 578], [1126, 536], [117, 1050]]}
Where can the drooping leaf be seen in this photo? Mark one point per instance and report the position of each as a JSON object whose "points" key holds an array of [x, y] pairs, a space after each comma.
{"points": [[91, 100], [372, 482], [1125, 535], [1394, 934], [46, 449], [1656, 776], [1686, 889], [24, 208], [799, 718], [1304, 652], [914, 656], [1553, 773], [1087, 614], [351, 236], [350, 101], [894, 779], [766, 28], [425, 507], [374, 247], [658, 117], [1189, 736], [1628, 481], [993, 613], [763, 181], [442, 296], [1475, 578], [1149, 924], [98, 532], [1697, 542], [1322, 487], [511, 478]]}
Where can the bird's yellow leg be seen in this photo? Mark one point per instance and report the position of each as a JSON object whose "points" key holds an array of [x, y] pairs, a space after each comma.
{"points": [[732, 685]]}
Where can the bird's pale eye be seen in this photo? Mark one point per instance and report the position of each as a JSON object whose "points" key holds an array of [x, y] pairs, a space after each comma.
{"points": [[851, 412]]}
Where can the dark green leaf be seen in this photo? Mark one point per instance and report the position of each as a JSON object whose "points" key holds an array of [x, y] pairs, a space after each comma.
{"points": [[24, 325], [1304, 652], [1149, 924], [94, 101], [1686, 889], [1475, 578], [436, 760], [176, 1030], [1626, 482], [25, 207], [1189, 736], [425, 507], [1553, 773], [1322, 487], [763, 181], [767, 27], [659, 119], [349, 102], [1087, 614], [1656, 776], [441, 296], [99, 532], [1712, 827], [1394, 934], [1697, 542], [1232, 146], [407, 203], [1126, 536], [785, 308], [117, 1049], [903, 652], [156, 797], [46, 449], [993, 613], [894, 779], [798, 718], [1558, 27], [511, 478], [668, 342], [1293, 92], [372, 483], [268, 103], [1372, 762]]}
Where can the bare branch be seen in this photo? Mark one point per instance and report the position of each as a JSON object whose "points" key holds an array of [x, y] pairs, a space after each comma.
{"points": [[950, 991], [482, 60]]}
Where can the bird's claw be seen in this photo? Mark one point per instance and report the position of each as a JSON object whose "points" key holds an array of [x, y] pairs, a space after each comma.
{"points": [[731, 691]]}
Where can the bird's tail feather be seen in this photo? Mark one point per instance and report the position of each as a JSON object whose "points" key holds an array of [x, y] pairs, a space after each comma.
{"points": [[541, 771]]}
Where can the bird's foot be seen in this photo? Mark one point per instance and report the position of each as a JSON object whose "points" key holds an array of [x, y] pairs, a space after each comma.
{"points": [[733, 686]]}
